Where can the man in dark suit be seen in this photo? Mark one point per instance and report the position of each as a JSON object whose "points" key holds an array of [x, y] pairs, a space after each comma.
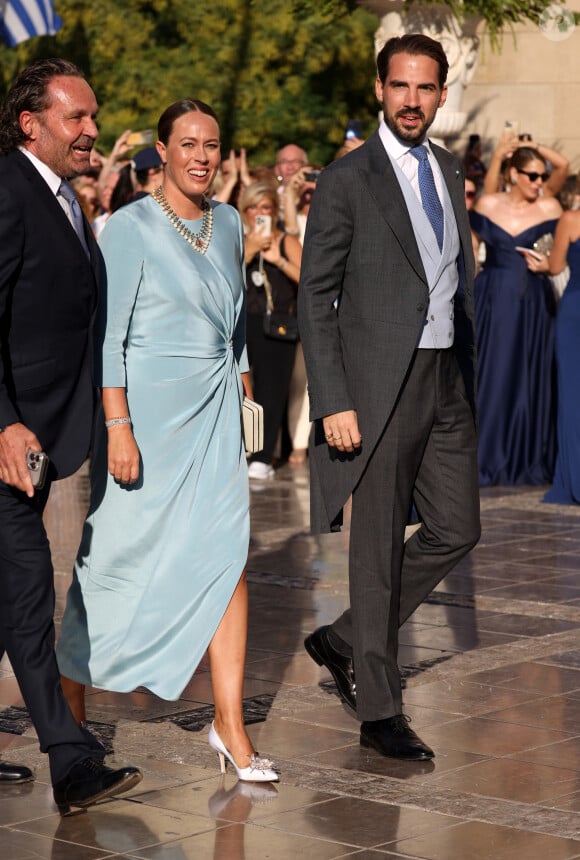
{"points": [[386, 321], [49, 268]]}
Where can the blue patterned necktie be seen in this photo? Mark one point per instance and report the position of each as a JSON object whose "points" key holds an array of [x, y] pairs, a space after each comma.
{"points": [[429, 196], [76, 216]]}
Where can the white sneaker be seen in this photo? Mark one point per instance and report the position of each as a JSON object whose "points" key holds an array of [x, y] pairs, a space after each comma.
{"points": [[260, 471]]}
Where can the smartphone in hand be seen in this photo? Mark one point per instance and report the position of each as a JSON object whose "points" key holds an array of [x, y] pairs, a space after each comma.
{"points": [[263, 225], [354, 130], [141, 138], [37, 464], [529, 251], [511, 128]]}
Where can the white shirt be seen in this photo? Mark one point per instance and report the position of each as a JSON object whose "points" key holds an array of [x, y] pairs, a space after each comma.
{"points": [[400, 152], [52, 180]]}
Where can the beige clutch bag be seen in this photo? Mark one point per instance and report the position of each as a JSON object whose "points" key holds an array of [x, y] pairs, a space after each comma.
{"points": [[253, 425]]}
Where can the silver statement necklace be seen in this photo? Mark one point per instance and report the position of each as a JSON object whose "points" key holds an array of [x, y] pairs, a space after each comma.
{"points": [[198, 241]]}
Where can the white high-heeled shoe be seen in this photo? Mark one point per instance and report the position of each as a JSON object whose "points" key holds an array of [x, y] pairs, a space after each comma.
{"points": [[259, 769]]}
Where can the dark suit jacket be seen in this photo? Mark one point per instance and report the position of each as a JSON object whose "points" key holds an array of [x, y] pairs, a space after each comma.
{"points": [[360, 247], [48, 297]]}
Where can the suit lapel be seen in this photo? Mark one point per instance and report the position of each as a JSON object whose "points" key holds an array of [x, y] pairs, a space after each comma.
{"points": [[384, 187], [456, 187], [44, 193]]}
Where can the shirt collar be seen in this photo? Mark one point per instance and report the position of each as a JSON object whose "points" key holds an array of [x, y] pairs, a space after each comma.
{"points": [[52, 180], [395, 147]]}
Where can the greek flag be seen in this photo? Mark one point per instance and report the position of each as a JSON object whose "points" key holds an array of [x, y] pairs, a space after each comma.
{"points": [[22, 19]]}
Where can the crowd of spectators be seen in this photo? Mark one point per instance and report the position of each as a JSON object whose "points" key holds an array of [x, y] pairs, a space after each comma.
{"points": [[529, 424]]}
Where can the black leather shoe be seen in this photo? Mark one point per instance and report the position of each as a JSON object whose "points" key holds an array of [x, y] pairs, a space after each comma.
{"points": [[393, 737], [90, 781], [13, 774], [339, 666]]}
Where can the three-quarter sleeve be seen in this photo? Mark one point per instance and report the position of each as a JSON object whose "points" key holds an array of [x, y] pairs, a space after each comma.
{"points": [[122, 246], [240, 349]]}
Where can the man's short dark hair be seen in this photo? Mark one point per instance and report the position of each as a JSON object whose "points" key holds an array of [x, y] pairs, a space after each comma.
{"points": [[416, 44], [29, 92]]}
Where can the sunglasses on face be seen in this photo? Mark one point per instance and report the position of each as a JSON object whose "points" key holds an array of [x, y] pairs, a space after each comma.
{"points": [[533, 176], [470, 195]]}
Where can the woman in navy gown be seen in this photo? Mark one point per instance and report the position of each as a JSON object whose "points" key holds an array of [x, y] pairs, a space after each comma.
{"points": [[515, 308], [566, 487]]}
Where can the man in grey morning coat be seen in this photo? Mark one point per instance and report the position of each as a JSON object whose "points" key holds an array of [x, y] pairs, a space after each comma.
{"points": [[386, 321]]}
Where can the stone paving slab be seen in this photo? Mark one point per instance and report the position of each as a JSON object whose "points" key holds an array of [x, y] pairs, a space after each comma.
{"points": [[492, 663]]}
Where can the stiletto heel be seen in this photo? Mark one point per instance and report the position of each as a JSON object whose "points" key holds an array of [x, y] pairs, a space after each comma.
{"points": [[259, 770], [222, 759]]}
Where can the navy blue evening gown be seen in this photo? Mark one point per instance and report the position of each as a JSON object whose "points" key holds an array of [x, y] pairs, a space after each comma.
{"points": [[514, 312], [566, 487]]}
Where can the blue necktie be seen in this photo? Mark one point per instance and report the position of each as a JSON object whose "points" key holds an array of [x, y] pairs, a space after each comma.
{"points": [[76, 216], [429, 196]]}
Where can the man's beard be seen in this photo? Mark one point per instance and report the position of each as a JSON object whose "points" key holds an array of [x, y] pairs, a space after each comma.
{"points": [[408, 135]]}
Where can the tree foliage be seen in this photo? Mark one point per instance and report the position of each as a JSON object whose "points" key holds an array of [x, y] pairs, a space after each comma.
{"points": [[499, 15], [275, 71]]}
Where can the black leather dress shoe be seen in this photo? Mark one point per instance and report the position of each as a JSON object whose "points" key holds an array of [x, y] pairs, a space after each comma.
{"points": [[13, 774], [90, 781], [339, 666], [393, 737]]}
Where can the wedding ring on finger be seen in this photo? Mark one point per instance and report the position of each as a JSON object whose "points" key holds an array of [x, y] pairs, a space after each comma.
{"points": [[336, 438], [328, 436]]}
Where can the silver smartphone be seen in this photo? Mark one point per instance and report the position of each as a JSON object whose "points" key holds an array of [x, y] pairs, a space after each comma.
{"points": [[263, 225], [141, 138], [37, 464], [511, 128]]}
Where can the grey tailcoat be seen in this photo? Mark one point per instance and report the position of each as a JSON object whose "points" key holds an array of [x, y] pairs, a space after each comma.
{"points": [[360, 248]]}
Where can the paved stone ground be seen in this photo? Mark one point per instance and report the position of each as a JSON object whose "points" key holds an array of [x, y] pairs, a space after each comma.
{"points": [[492, 662]]}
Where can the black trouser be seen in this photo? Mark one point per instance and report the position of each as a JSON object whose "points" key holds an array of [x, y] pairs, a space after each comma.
{"points": [[272, 362], [27, 629], [427, 453]]}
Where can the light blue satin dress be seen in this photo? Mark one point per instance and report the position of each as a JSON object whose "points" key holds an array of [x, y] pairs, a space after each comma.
{"points": [[160, 559]]}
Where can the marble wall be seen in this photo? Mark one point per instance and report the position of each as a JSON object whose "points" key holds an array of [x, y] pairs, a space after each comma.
{"points": [[535, 81]]}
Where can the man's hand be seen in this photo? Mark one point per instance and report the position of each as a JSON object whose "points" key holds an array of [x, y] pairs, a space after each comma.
{"points": [[341, 430], [15, 441], [121, 147]]}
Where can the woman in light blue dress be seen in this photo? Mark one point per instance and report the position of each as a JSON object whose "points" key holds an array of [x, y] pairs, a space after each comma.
{"points": [[159, 576]]}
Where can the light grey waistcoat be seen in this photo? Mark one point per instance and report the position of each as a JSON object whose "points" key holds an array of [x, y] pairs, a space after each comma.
{"points": [[440, 266]]}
